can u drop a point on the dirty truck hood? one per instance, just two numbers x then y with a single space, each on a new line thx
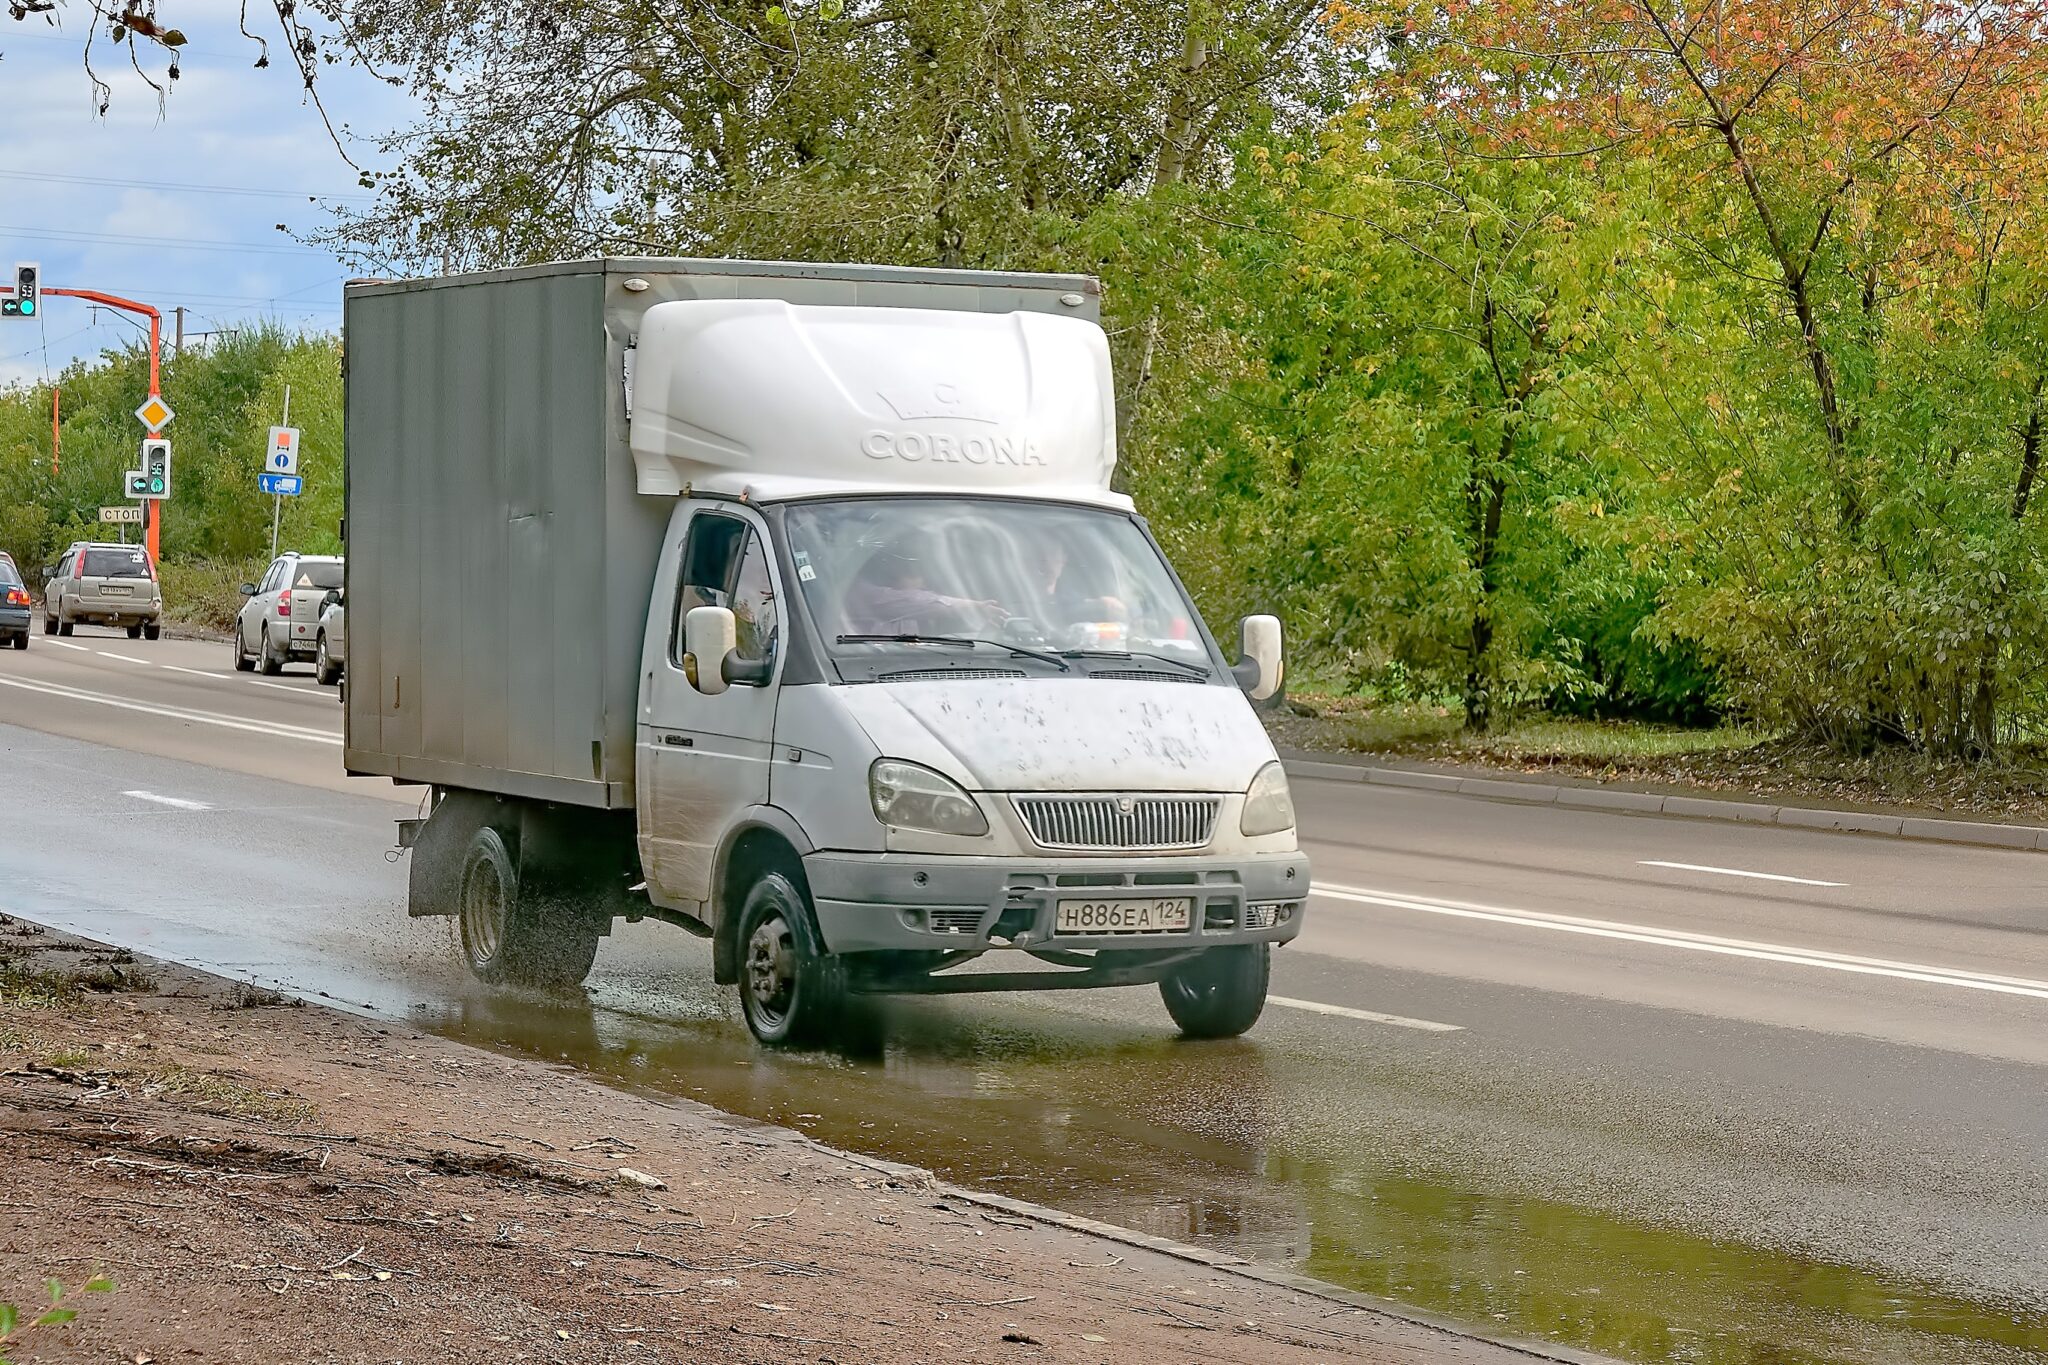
1044 734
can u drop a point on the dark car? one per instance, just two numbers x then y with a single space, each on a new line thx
14 605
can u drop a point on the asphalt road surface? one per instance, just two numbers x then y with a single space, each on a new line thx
1678 1091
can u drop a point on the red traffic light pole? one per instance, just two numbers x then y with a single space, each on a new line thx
156 321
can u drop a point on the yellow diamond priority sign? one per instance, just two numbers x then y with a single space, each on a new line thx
154 413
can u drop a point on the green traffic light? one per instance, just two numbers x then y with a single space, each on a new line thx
28 307
156 485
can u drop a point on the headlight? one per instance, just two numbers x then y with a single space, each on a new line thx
1268 806
910 797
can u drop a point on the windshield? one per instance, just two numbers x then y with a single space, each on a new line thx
1065 583
115 564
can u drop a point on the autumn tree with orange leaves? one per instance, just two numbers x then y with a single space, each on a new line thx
1847 405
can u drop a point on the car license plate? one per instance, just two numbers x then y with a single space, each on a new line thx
111 591
1152 915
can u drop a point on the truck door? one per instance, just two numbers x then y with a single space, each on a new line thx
703 760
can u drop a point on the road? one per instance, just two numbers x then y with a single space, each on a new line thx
1678 1091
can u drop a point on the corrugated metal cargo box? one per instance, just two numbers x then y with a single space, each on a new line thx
500 562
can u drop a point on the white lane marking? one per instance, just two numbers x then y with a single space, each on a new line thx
126 658
1370 1016
180 713
1699 943
177 802
1736 872
66 644
287 687
195 672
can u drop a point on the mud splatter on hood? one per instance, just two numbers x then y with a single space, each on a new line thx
1037 734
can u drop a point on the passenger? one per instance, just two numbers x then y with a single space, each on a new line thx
1065 599
890 598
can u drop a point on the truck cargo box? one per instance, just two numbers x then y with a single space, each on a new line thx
500 559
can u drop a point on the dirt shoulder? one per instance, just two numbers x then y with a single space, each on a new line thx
267 1181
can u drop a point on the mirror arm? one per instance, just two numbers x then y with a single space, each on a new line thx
748 672
1246 673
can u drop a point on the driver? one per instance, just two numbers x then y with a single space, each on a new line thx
1068 600
890 598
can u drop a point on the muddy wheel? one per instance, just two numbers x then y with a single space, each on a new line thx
789 992
1221 993
512 936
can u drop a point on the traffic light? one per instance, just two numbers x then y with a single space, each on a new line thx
28 289
154 481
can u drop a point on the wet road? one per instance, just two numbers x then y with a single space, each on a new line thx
1678 1091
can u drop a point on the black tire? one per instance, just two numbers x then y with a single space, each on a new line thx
268 662
64 626
790 993
243 663
49 624
511 934
326 672
152 632
135 631
1220 993
21 640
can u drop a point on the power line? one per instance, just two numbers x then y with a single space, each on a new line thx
180 187
166 243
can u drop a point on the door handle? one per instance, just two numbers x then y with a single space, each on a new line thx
680 741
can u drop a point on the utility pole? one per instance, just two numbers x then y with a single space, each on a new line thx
56 432
178 346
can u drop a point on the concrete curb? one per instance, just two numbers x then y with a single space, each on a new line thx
1931 830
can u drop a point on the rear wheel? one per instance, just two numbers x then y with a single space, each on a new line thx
789 992
152 631
1221 992
326 672
21 640
513 934
135 631
269 662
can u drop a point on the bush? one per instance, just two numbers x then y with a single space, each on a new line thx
204 592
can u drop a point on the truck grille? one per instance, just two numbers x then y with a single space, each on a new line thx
948 674
1132 822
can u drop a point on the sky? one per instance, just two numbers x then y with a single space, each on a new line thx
178 206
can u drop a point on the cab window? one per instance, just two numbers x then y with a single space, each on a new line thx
725 564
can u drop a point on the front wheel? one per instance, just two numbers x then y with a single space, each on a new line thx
789 992
49 624
1221 992
326 672
511 934
242 661
64 626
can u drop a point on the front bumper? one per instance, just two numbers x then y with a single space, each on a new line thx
926 902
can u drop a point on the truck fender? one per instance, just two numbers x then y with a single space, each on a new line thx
722 910
434 883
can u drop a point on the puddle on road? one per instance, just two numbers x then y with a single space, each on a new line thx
1186 1142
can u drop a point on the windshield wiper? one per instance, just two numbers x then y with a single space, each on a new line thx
1191 667
967 641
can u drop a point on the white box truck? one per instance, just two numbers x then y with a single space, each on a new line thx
793 605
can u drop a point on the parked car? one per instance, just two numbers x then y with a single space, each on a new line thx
14 605
280 622
104 584
330 649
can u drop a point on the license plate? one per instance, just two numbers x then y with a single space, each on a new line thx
115 592
1152 915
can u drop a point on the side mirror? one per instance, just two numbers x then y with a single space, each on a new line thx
709 634
333 596
1258 669
49 572
247 590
